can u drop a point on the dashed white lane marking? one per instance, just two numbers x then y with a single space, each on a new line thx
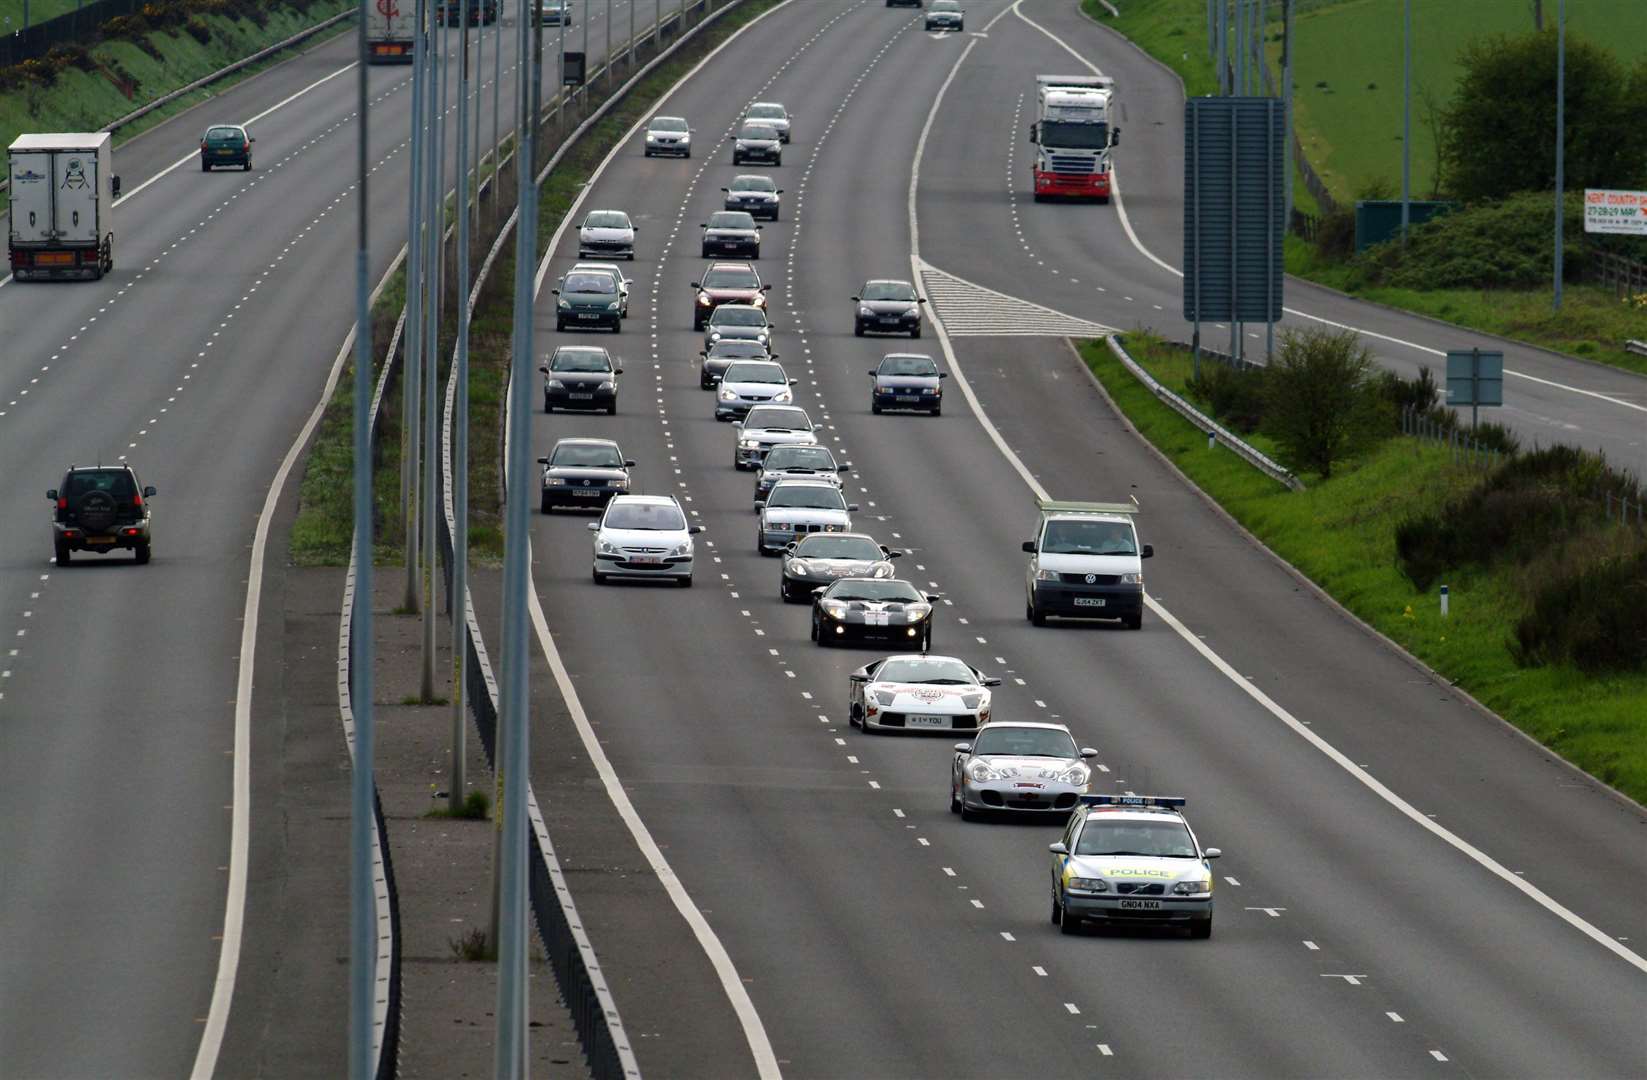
1005 936
1103 1048
1395 1017
1312 946
1071 1008
1039 970
1438 1055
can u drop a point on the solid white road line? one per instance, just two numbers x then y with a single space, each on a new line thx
1126 225
1475 854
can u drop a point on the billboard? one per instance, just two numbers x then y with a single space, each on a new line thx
1608 211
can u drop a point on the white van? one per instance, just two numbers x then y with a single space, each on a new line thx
1086 563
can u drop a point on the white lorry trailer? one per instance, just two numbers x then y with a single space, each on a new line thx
389 31
63 189
1073 135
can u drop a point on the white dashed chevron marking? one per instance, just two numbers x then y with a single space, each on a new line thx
970 310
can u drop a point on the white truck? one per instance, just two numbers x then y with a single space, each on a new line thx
1073 135
63 189
389 32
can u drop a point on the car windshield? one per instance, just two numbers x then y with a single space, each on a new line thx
647 517
754 183
581 360
825 546
738 350
801 457
1165 839
731 219
888 290
668 123
223 133
116 482
606 219
731 279
733 315
767 112
586 455
770 417
943 670
806 497
945 5
877 590
595 283
758 131
1067 135
908 365
756 372
1088 538
1024 742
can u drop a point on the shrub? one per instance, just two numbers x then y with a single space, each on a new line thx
1233 395
198 30
70 56
1593 616
1321 399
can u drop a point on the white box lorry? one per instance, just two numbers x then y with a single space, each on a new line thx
63 189
389 31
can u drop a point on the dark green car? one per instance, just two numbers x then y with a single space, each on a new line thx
226 144
589 298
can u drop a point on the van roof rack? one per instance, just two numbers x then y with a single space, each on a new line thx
1063 506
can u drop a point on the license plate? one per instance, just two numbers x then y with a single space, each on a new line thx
913 720
908 399
890 320
99 539
54 258
585 493
1089 601
648 560
581 397
226 153
586 315
877 618
1140 905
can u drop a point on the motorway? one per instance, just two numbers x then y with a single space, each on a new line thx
1408 888
198 359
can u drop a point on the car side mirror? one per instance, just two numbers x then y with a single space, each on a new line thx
765 288
544 368
794 382
727 190
778 192
695 285
1058 848
593 526
1211 853
963 748
543 461
852 508
703 353
737 423
933 595
251 138
895 554
845 466
114 186
790 547
992 680
943 374
1029 546
617 371
1087 751
1034 133
696 529
554 292
703 224
628 463
874 371
857 676
758 228
920 299
855 300
1114 136
820 590
51 493
1147 553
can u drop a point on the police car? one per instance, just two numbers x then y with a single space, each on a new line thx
1131 859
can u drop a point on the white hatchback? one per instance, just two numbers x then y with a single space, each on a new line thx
643 536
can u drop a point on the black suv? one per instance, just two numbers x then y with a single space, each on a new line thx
100 508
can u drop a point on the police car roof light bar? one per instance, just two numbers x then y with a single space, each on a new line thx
1171 802
1064 506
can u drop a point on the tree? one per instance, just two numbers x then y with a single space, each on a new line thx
1322 400
1498 132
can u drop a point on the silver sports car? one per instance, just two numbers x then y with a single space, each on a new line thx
919 693
1019 766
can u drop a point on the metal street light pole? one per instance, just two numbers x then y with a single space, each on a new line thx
456 790
609 49
1286 100
435 182
1241 48
584 86
1561 137
537 87
1223 46
411 366
480 72
497 91
1406 118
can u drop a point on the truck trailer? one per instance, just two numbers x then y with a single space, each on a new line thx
1072 135
388 32
63 189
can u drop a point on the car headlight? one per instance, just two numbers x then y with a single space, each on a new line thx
1191 888
621 482
971 701
885 698
704 300
749 444
917 612
881 570
565 305
607 384
912 310
554 481
684 139
760 300
1046 575
651 137
606 547
613 306
555 384
784 395
1088 884
729 395
684 548
799 566
929 389
1075 775
865 309
761 337
777 526
981 773
714 335
835 609
1132 579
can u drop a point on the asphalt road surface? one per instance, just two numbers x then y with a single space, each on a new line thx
198 360
1373 911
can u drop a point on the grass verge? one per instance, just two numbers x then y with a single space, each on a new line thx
1340 533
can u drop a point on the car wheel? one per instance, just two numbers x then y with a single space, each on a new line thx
1039 197
1034 614
778 160
915 333
926 639
937 410
1134 622
560 327
612 409
874 408
858 329
63 554
142 553
967 813
1057 912
1066 922
705 384
543 504
1201 930
954 798
546 406
617 325
600 578
697 324
685 582
246 167
205 166
1103 200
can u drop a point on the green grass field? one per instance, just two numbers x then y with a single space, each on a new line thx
1340 533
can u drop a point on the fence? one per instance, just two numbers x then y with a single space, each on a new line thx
1466 449
78 26
1620 509
1626 276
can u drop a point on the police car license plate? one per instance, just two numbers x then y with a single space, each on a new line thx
1140 905
877 618
920 720
1089 601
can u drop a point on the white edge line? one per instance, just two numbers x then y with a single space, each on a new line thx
760 1046
234 913
1126 224
1537 895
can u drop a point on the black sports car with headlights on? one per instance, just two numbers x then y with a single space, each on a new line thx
907 381
887 307
797 463
723 354
584 473
731 232
820 559
886 610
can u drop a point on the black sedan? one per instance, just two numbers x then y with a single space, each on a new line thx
756 194
731 232
580 377
819 559
720 356
888 307
885 610
757 142
907 381
584 473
